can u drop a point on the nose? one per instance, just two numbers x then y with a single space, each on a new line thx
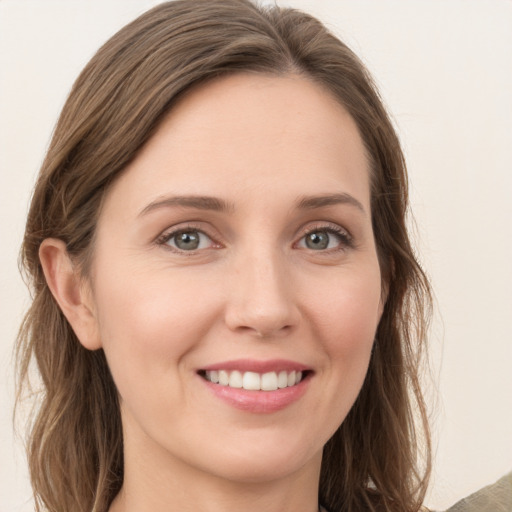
262 301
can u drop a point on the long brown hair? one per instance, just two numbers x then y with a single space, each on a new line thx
75 446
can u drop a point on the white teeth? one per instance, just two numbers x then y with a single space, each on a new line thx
235 380
253 381
269 381
282 380
223 378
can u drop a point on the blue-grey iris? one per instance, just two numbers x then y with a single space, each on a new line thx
317 240
187 241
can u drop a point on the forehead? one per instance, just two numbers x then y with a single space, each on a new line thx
284 134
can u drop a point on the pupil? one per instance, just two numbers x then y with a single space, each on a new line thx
318 240
187 241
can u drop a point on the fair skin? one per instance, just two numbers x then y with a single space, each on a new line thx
239 239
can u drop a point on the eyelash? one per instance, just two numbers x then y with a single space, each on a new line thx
169 235
345 239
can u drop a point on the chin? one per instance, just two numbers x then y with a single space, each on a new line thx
264 459
264 470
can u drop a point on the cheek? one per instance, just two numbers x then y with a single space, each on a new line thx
149 323
350 306
347 319
345 313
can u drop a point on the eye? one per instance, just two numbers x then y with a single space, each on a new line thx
325 239
186 240
318 240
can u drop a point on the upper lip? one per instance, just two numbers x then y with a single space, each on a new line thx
258 366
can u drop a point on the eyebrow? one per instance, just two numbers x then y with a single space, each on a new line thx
197 202
220 205
320 201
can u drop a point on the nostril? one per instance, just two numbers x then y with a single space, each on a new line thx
261 311
271 332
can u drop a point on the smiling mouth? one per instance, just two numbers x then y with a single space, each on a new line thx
253 381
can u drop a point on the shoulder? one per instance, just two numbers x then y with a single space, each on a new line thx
493 498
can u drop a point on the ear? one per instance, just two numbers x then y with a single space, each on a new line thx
72 293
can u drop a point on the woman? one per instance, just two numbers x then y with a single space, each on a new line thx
227 311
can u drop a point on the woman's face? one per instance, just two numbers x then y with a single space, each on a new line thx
238 247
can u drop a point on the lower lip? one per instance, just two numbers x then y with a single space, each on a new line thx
259 401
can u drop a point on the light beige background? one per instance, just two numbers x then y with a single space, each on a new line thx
444 68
